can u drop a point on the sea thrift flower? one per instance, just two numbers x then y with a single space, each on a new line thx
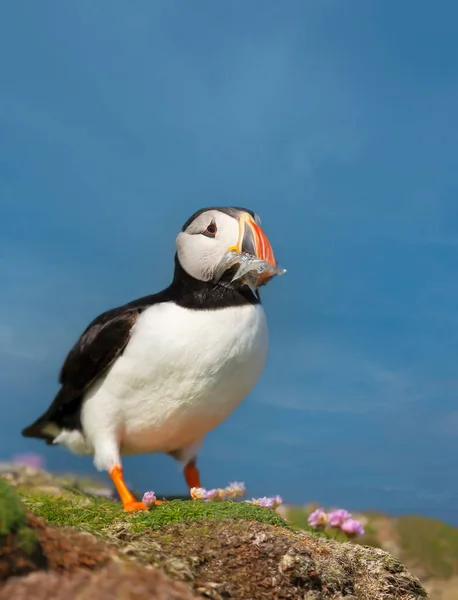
264 502
318 519
215 494
337 517
267 502
352 527
198 493
233 490
236 489
29 460
149 498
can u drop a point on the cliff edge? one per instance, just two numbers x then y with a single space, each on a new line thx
59 538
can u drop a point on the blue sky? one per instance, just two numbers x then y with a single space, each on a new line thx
337 123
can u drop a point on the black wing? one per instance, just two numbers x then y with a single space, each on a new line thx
97 348
101 343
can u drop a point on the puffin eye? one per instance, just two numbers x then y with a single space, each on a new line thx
211 230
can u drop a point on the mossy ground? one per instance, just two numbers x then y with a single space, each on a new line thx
99 515
221 549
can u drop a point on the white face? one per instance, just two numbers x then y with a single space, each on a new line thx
205 241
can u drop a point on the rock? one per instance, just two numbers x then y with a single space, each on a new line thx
67 550
115 581
249 560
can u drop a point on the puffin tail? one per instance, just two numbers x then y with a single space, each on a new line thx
42 429
50 424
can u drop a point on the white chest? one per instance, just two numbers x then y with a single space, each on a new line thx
181 374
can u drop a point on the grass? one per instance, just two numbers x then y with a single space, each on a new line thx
98 515
12 513
430 543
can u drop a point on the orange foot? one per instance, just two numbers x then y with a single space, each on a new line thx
132 506
129 502
191 474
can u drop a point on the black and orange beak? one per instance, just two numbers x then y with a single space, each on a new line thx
253 240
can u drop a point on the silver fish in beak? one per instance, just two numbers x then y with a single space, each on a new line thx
253 253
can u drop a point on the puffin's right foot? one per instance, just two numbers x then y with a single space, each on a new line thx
129 502
133 506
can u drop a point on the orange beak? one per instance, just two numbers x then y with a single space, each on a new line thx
253 240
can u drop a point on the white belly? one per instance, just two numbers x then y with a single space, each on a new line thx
182 373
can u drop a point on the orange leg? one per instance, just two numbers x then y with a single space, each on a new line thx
191 474
128 501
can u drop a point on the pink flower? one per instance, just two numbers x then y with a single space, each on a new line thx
198 493
149 498
29 459
267 502
264 502
233 490
318 519
215 494
352 527
337 517
236 489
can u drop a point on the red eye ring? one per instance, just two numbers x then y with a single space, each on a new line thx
211 230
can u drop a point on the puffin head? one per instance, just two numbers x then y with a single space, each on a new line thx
211 232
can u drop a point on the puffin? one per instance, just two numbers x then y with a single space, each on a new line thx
160 372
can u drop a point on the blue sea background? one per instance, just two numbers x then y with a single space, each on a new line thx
337 122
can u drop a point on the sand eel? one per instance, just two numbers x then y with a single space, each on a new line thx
157 374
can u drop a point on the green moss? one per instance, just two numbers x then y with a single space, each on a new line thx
97 514
92 515
179 511
12 513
